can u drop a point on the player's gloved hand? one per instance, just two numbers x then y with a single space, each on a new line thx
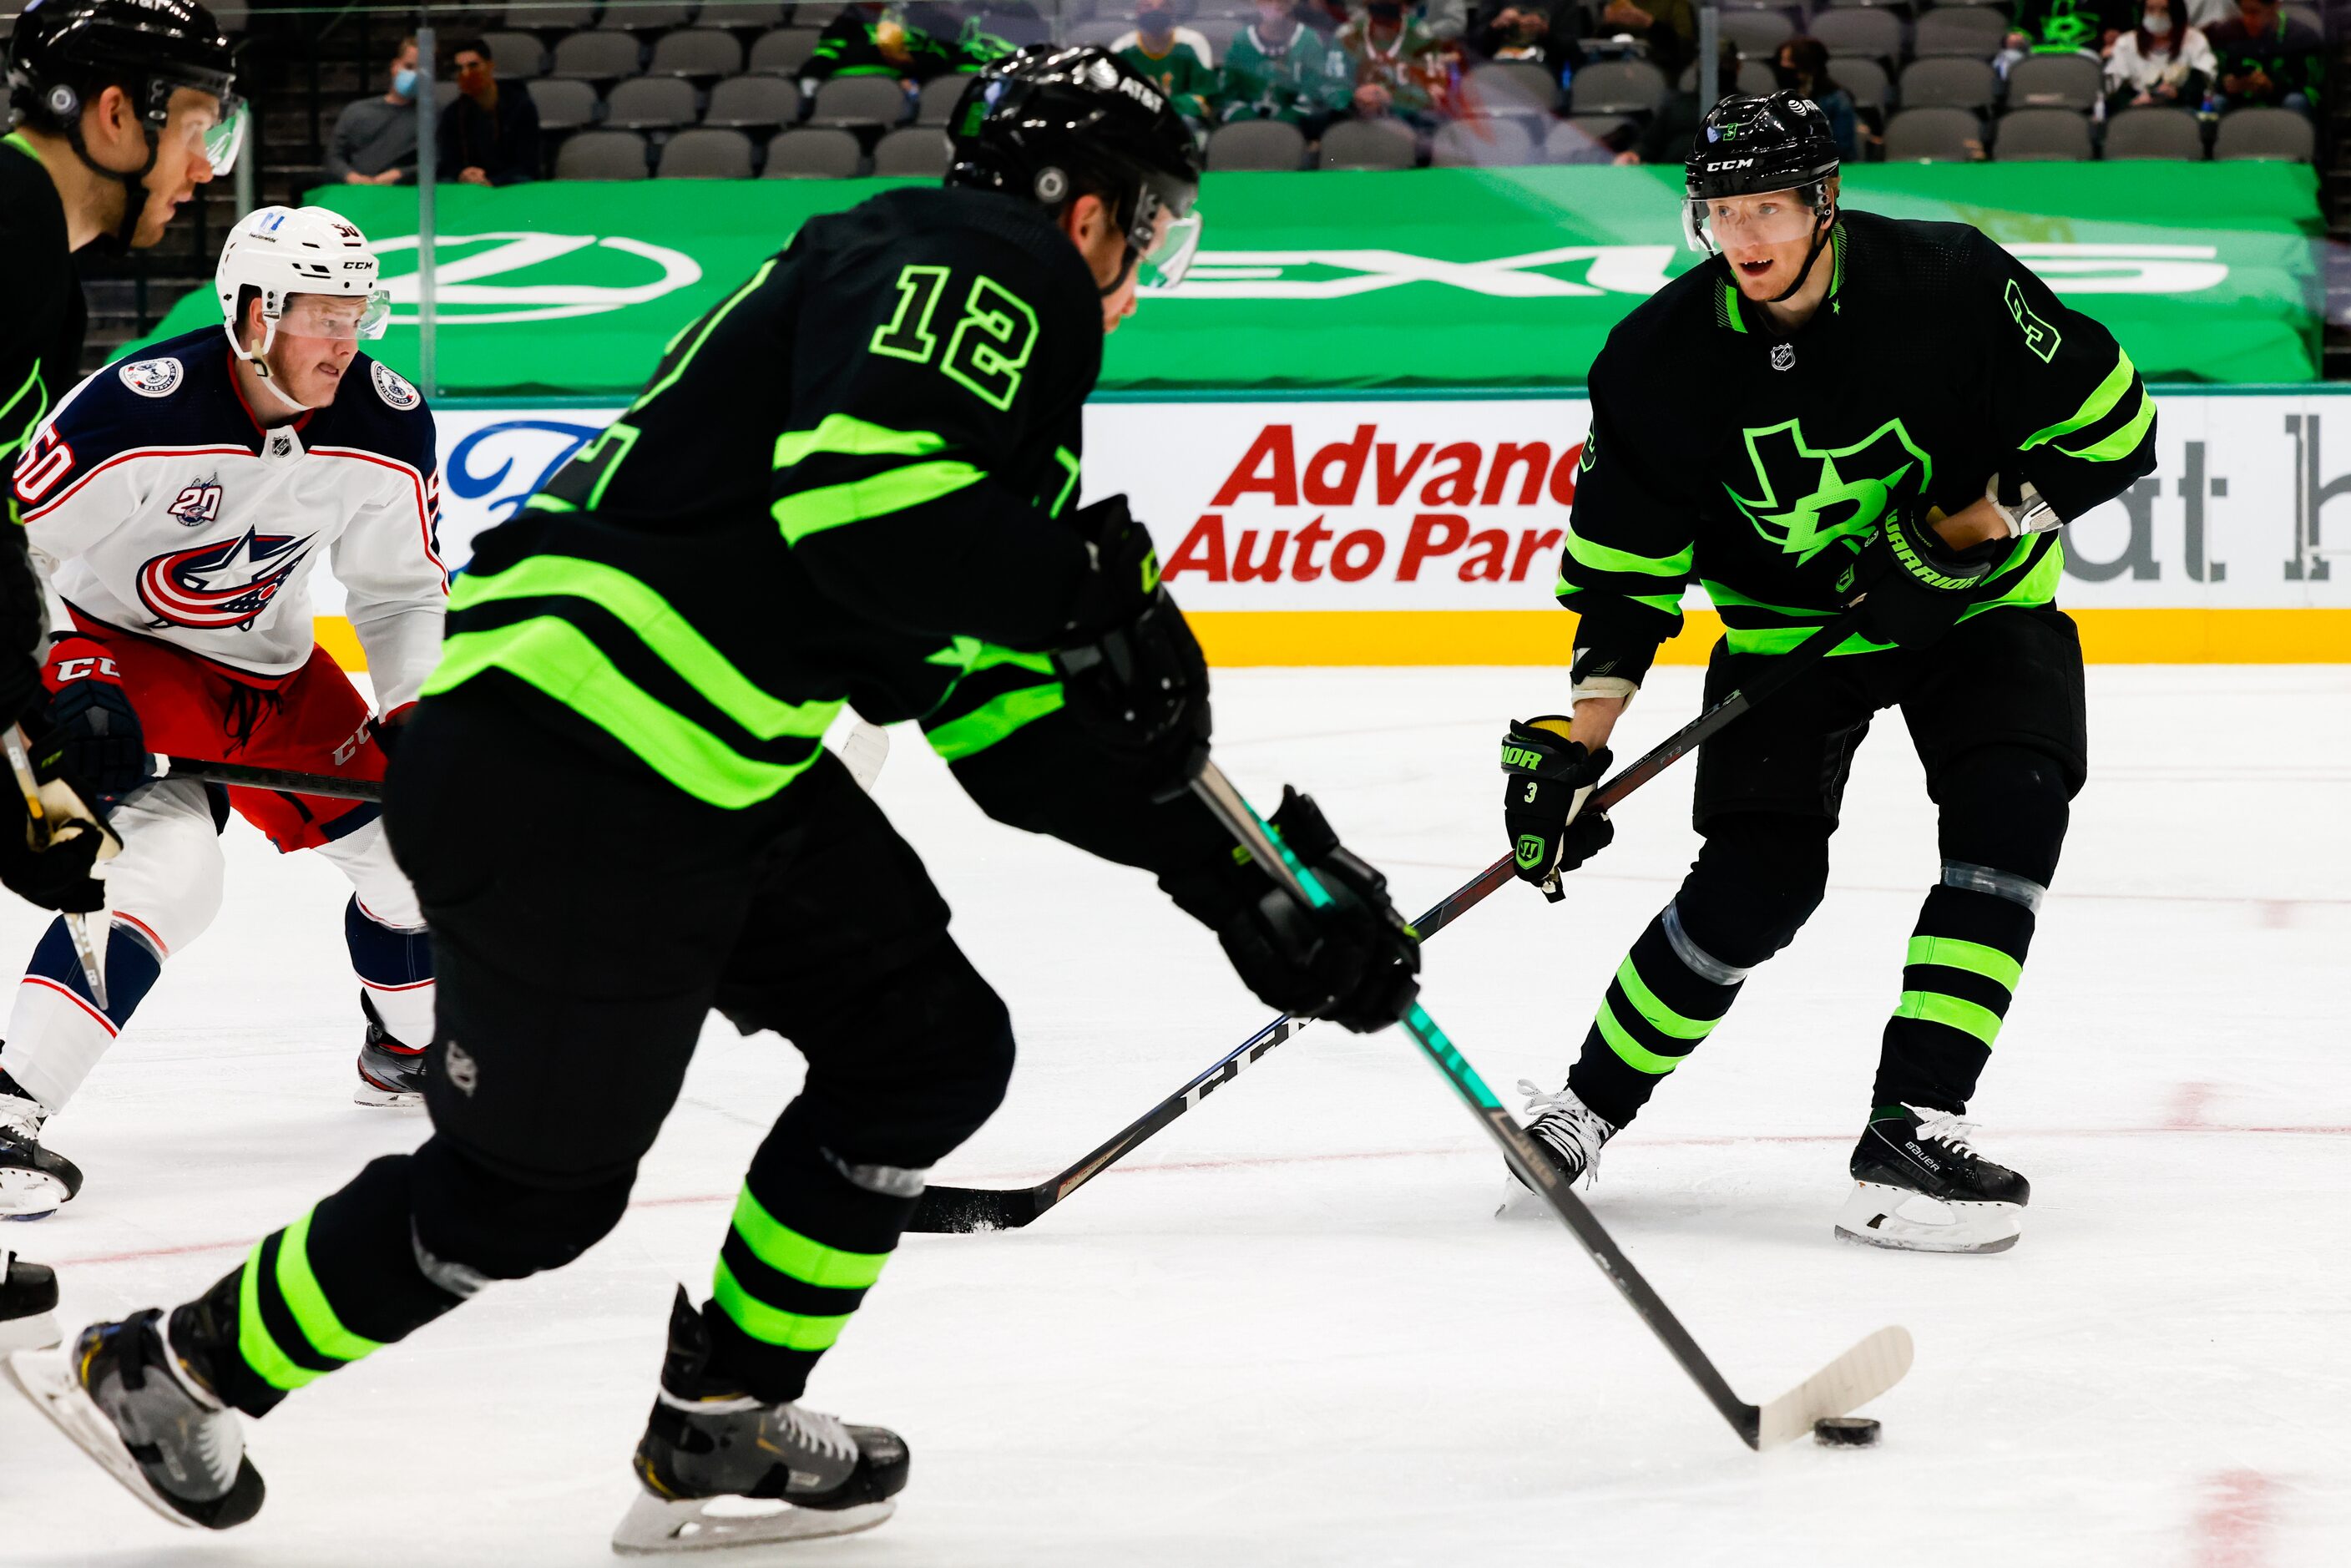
1549 779
1355 961
92 738
56 877
1132 674
1915 586
387 728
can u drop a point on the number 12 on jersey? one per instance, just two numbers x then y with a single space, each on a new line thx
990 346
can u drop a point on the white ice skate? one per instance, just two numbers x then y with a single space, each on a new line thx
33 1181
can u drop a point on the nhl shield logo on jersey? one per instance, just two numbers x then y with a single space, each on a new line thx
227 583
198 503
389 385
151 378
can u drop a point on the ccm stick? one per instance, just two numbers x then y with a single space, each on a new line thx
964 1208
1852 1380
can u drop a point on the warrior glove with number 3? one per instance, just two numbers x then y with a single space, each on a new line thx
1550 778
1132 674
1354 962
1916 586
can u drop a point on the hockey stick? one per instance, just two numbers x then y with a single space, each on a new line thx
964 1208
862 753
1852 1379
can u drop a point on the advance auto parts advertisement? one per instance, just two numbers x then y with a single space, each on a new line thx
1429 531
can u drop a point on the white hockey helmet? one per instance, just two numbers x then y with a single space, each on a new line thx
285 251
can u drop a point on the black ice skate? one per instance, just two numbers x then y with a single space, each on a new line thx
707 1441
29 1302
145 1414
391 1073
1566 1132
33 1180
1921 1186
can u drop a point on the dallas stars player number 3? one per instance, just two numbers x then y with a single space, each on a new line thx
1836 408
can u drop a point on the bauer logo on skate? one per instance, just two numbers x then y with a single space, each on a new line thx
228 583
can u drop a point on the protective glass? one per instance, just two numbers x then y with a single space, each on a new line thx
332 315
1164 266
1774 217
225 140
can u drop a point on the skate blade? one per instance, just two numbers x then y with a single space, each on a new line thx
653 1526
39 1332
29 1193
380 1099
1906 1221
46 1378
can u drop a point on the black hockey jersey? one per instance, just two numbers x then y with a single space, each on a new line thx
1758 463
41 330
843 483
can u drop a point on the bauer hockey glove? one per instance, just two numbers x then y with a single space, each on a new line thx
1549 779
1355 961
1916 587
1132 675
93 740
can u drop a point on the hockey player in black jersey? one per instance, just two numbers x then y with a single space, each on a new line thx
122 109
1837 406
854 478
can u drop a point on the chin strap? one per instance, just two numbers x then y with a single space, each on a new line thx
134 184
1125 271
1820 243
261 366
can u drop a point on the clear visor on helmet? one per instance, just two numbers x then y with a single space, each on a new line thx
225 140
1170 256
338 316
1770 217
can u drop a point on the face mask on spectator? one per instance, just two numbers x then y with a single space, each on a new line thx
1153 22
403 81
2157 23
1384 11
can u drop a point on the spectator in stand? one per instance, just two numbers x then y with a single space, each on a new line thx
2158 63
2264 57
874 39
1277 69
1541 34
1668 26
1397 66
1671 130
1178 58
488 137
1802 68
375 139
2061 27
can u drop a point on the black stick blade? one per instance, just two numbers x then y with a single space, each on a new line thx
959 1210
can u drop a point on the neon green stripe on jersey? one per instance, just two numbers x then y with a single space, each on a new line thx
894 490
2122 443
1607 558
994 720
2102 400
1975 957
1952 1012
853 437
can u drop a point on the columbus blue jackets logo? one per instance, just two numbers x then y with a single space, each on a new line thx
198 503
227 583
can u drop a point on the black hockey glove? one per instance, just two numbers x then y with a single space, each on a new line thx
1915 586
1354 962
1132 675
1549 779
93 740
55 878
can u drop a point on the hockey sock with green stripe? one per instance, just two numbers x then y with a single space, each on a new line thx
1667 996
1959 976
809 1236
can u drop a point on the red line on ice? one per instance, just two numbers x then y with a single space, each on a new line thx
2232 1527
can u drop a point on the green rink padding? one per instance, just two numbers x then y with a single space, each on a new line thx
1434 279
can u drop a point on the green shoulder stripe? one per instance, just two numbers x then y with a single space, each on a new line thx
2103 401
1607 558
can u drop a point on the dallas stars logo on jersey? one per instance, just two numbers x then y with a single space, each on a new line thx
1810 496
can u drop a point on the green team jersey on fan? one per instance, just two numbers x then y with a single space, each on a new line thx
1183 73
1304 79
844 483
1726 452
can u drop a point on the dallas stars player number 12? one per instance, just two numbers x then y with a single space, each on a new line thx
1837 406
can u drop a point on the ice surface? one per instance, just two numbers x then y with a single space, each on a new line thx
1292 1331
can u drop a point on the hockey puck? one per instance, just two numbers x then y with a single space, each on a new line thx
1845 1432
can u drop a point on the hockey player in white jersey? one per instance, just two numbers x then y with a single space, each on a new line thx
182 502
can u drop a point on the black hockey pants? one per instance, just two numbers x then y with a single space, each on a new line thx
586 917
1996 712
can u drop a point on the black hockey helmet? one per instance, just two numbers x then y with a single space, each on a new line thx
63 53
1055 121
1747 146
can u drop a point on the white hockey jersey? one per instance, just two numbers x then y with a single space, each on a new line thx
163 509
